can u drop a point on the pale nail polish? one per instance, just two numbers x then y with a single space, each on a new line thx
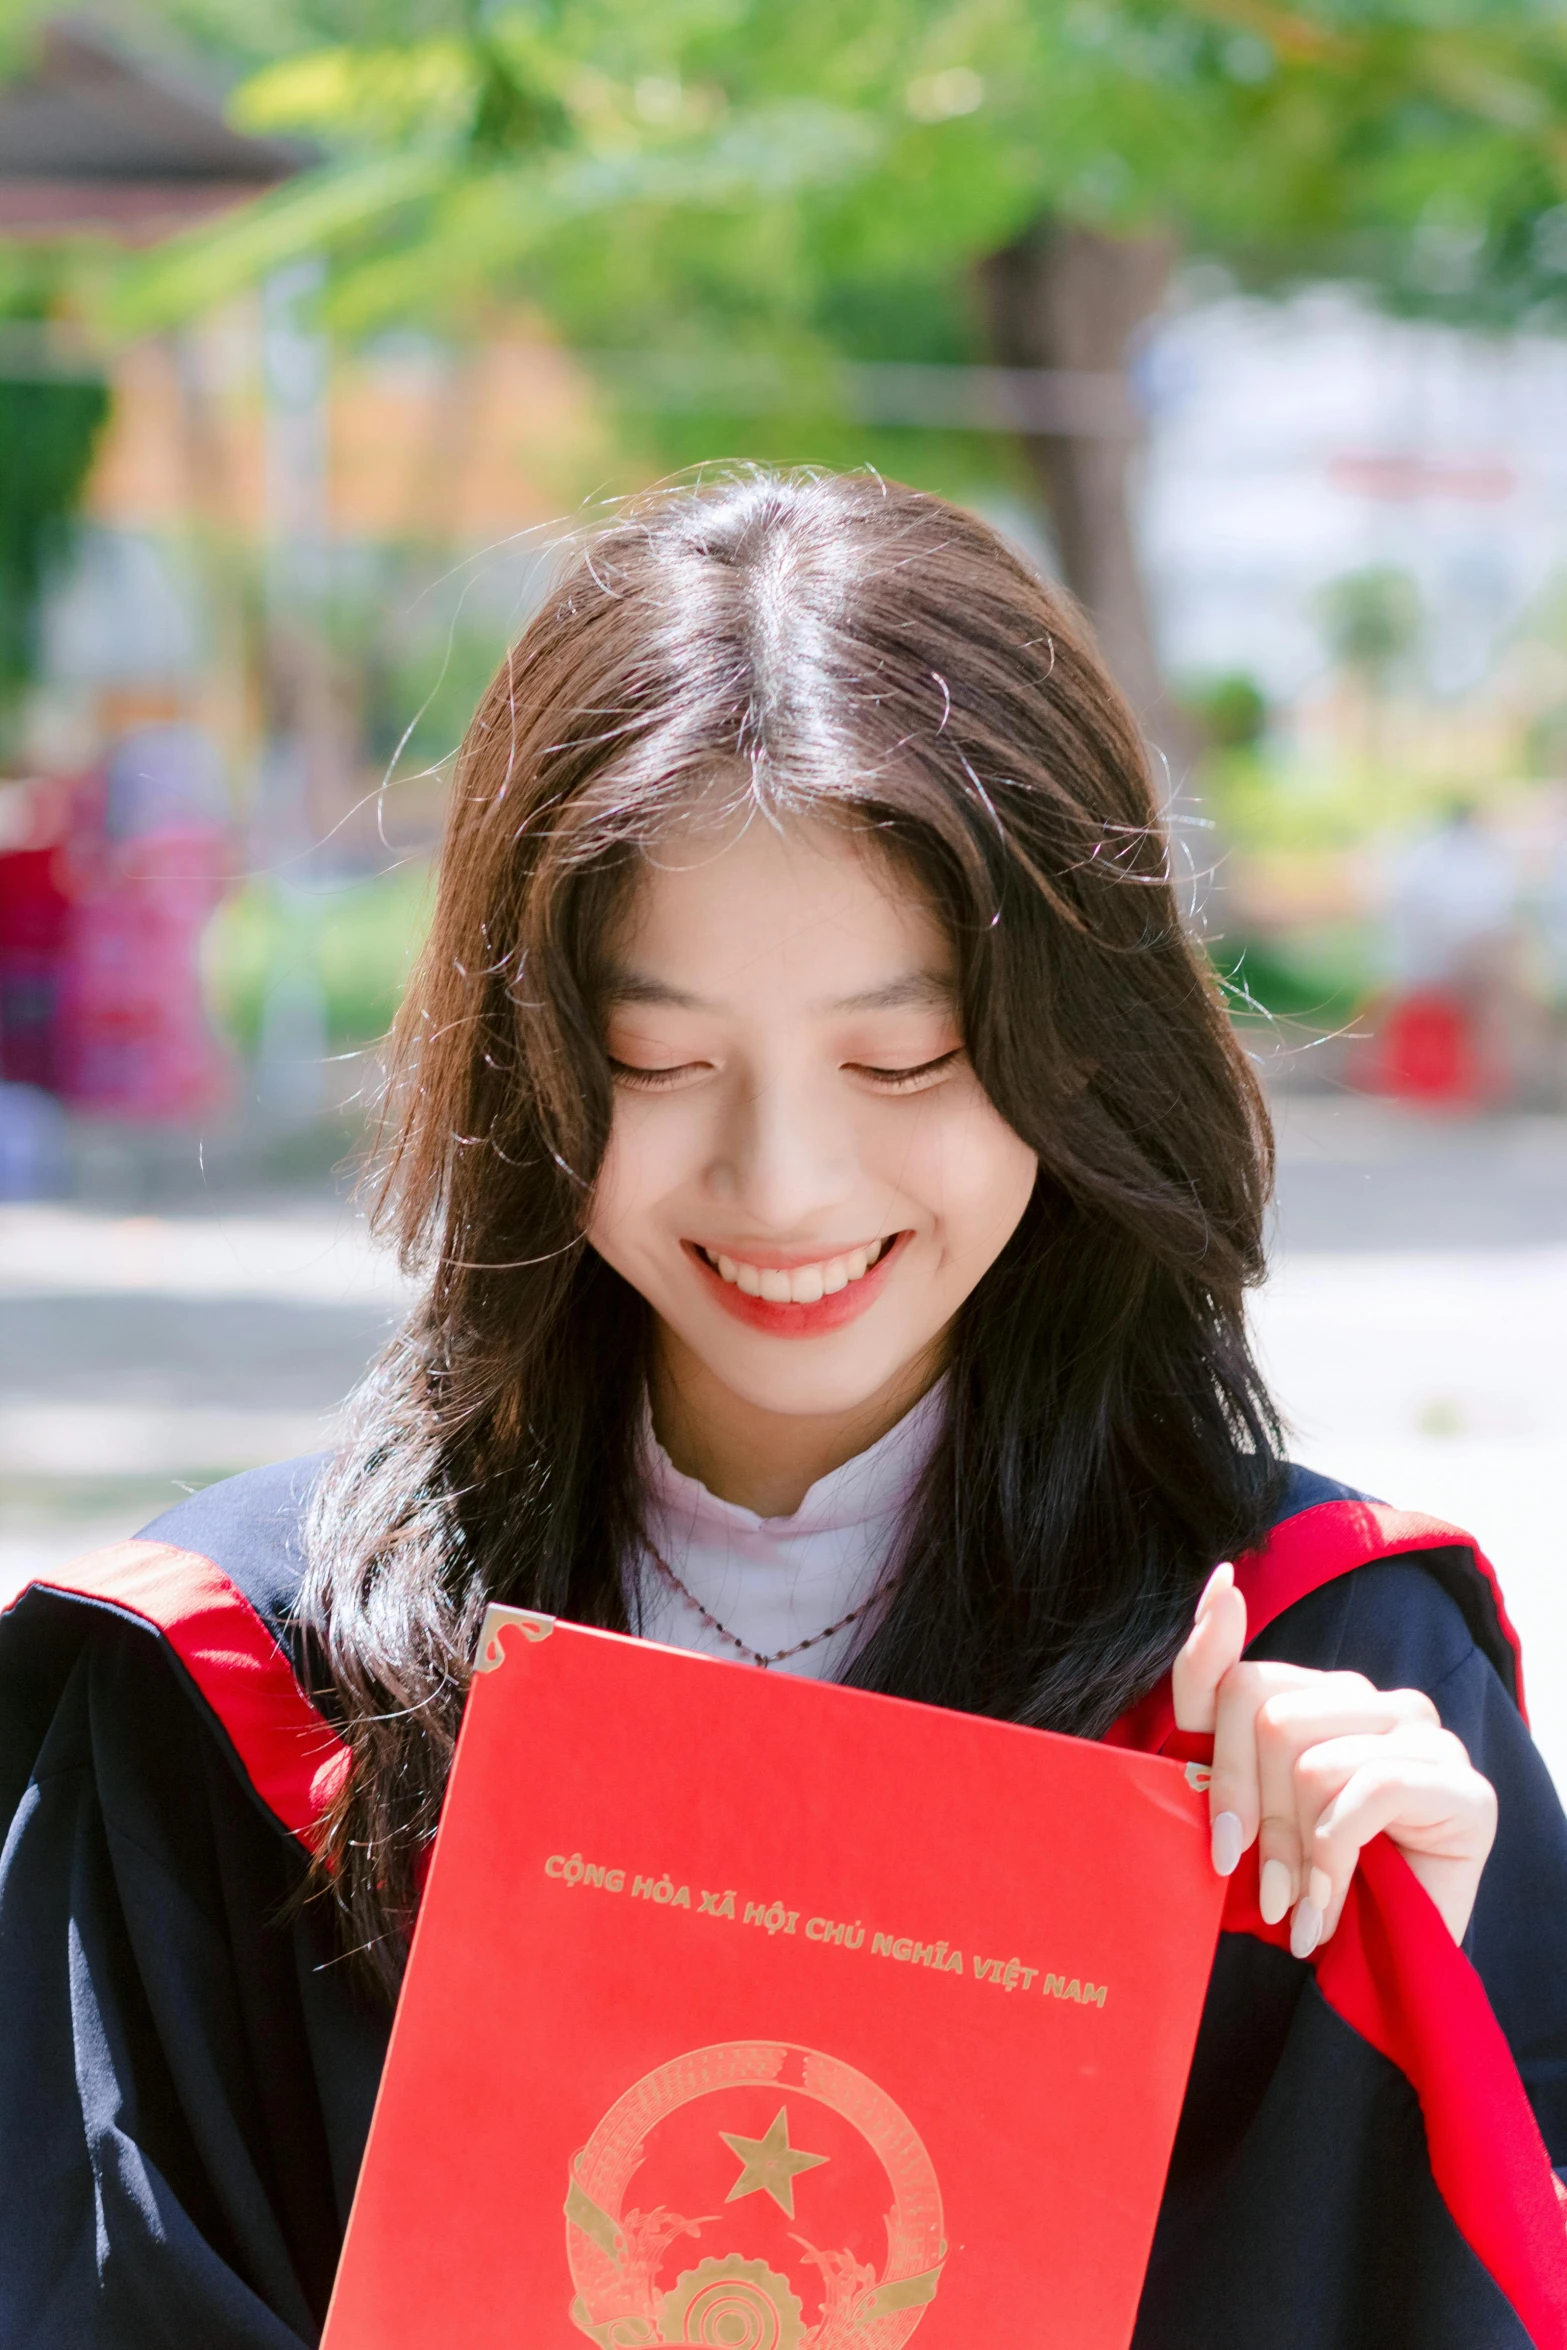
1275 1891
1305 1929
1319 1890
1220 1580
1227 1842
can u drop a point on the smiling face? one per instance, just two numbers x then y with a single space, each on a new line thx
804 1178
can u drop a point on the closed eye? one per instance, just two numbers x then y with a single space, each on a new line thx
908 1080
654 1080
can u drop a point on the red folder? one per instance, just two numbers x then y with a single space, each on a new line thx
753 2012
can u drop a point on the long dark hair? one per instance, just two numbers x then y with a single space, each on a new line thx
846 649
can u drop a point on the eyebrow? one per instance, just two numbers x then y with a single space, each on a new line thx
634 987
914 990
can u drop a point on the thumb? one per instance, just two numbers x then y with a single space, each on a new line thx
1214 1644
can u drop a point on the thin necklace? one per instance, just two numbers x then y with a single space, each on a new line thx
779 1655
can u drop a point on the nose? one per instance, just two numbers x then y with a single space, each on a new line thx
784 1155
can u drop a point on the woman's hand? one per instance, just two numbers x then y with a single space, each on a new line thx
1313 1765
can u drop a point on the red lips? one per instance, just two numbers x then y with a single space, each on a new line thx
800 1321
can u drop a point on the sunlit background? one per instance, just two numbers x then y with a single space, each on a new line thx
323 324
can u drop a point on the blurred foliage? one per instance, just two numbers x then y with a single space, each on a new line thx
358 941
1232 711
1545 742
51 412
1372 620
409 651
1258 805
419 697
48 429
716 176
1318 977
718 202
1277 804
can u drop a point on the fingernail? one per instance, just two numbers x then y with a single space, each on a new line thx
1228 1837
1319 1890
1305 1929
1275 1891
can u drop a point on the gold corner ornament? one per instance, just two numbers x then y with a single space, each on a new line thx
620 2257
491 1652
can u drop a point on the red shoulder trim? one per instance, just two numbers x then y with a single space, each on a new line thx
1313 1548
1395 1975
1392 1971
292 1757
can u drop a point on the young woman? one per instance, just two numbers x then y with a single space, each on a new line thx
836 1186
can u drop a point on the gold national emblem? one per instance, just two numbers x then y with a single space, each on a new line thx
633 2289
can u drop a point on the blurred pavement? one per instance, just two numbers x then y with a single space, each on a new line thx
1416 1329
143 1355
1416 1332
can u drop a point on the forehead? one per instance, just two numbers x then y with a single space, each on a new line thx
806 913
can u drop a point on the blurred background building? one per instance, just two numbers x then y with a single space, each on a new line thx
320 330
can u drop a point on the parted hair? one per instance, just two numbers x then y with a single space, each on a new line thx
840 649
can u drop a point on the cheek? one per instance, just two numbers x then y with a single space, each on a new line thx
621 1194
975 1174
648 1157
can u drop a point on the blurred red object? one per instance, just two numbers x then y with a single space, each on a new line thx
39 818
106 885
34 913
134 1037
1426 1048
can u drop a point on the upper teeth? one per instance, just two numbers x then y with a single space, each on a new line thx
797 1285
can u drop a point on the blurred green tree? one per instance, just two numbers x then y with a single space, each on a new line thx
767 193
1232 711
53 404
1372 620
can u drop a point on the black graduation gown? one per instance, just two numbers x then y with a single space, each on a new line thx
187 2072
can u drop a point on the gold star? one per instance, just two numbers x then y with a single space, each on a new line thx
770 2164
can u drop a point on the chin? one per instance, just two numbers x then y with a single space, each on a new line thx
807 1390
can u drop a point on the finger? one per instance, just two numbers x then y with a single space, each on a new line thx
1314 1718
1281 1711
1232 1794
1321 1773
1286 1724
1212 1651
1323 1769
1369 1801
1291 1722
1434 1806
1442 1814
1310 1707
1214 1644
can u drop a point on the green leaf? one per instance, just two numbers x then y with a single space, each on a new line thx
359 98
308 215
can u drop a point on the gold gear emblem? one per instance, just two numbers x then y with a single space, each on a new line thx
733 2304
737 2303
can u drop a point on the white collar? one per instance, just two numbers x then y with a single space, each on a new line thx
778 1583
874 1485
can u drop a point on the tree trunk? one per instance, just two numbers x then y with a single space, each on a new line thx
1065 298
